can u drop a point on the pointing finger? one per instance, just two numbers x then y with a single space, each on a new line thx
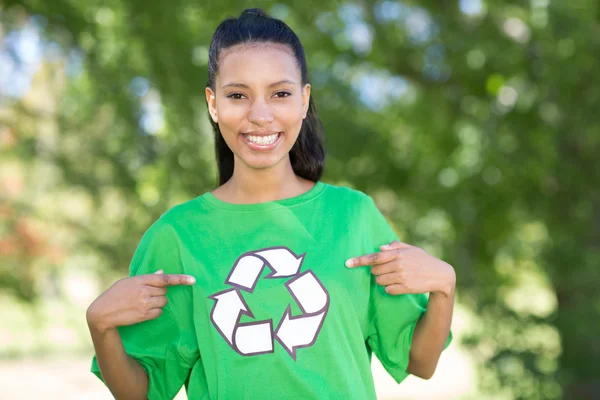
371 259
162 280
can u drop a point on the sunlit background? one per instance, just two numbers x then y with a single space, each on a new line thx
474 125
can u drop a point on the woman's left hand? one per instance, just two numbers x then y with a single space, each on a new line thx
403 269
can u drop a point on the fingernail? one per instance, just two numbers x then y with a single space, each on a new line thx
191 280
385 246
349 263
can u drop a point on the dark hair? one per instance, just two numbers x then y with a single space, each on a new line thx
255 26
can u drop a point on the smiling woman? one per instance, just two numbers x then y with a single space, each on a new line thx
259 289
258 88
258 109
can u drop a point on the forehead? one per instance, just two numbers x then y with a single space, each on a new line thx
257 62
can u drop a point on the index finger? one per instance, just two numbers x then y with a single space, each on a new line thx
381 257
161 280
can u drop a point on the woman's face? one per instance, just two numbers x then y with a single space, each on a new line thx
259 103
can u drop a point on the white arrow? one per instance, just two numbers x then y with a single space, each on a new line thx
254 338
226 312
245 272
282 261
308 291
294 332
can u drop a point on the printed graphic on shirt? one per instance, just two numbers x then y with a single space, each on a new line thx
293 332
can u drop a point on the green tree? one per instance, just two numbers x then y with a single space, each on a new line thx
474 127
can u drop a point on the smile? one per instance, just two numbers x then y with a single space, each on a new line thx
262 142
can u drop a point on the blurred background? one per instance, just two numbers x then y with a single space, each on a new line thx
474 124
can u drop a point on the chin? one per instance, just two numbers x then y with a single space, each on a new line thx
263 161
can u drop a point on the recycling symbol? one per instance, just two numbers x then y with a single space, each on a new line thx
292 332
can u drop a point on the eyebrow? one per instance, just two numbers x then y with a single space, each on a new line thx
241 85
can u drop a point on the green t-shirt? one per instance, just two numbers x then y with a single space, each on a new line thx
274 312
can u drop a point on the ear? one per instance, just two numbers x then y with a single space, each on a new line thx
211 100
305 99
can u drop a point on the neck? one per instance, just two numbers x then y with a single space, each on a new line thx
248 185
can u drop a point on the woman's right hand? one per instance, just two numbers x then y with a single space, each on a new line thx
132 300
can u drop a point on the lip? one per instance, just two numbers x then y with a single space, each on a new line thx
260 147
264 133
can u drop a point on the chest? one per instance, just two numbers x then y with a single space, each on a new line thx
278 269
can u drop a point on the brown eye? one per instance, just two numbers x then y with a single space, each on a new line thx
282 95
235 96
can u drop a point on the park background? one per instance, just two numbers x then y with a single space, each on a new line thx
474 124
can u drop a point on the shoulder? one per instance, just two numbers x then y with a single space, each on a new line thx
182 214
351 197
175 221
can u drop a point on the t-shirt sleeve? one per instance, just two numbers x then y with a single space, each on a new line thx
392 317
165 347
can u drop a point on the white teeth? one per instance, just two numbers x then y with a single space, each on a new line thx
263 140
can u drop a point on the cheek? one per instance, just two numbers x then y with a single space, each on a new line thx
232 113
291 116
231 118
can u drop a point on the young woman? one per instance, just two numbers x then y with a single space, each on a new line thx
275 284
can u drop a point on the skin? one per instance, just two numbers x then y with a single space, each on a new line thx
405 269
266 95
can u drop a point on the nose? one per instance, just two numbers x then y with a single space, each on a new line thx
260 113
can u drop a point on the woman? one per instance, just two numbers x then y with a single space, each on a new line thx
270 294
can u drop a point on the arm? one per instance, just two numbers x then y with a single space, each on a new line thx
124 377
404 269
127 302
430 334
410 342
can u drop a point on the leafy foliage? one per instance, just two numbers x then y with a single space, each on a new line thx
474 127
